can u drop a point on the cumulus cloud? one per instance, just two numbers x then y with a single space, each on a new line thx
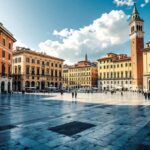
105 32
124 2
20 44
145 2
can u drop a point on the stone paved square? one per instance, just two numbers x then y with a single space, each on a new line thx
121 122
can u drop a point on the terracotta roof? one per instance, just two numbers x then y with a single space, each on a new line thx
7 32
20 50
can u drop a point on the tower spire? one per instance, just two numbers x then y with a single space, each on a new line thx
135 13
86 58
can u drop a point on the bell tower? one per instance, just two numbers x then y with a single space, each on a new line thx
137 45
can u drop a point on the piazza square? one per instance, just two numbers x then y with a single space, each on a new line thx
118 122
74 75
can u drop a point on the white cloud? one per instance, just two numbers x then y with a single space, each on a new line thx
145 2
109 30
124 2
20 44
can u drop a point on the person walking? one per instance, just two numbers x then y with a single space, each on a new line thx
121 93
72 94
75 96
148 95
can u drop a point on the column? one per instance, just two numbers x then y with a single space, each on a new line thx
6 86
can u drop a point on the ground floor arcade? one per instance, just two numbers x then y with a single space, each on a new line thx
5 85
38 85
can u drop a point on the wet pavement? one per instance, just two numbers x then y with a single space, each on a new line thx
31 122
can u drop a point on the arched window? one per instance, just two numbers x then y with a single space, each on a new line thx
3 69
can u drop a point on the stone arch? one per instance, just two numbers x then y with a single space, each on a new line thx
27 84
9 87
19 85
38 85
32 84
2 87
52 84
56 84
48 84
42 85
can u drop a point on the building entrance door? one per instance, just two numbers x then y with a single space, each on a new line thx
9 90
2 87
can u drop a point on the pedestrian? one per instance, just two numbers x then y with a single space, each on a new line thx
75 94
72 94
148 95
61 92
121 93
145 95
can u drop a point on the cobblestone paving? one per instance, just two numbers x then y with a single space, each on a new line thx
25 121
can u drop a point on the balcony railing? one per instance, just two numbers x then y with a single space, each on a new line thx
5 75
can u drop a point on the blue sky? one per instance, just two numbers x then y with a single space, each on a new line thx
33 23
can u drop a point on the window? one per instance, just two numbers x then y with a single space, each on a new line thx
33 71
27 70
19 59
47 63
3 42
55 73
121 74
43 72
3 69
28 60
9 56
15 60
19 69
52 64
3 54
55 65
9 45
38 71
59 65
15 70
9 70
33 61
47 71
38 61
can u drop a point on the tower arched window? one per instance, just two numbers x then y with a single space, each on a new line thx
137 28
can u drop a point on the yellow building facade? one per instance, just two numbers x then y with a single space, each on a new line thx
114 72
146 68
35 70
81 75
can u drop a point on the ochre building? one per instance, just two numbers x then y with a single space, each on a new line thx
37 70
6 45
146 68
114 72
81 75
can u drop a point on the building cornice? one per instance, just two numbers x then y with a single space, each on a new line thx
28 51
7 32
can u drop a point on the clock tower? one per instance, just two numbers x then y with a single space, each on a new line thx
137 45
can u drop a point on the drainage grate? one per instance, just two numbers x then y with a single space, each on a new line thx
7 127
71 128
143 147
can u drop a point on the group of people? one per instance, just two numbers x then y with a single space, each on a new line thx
74 94
147 95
